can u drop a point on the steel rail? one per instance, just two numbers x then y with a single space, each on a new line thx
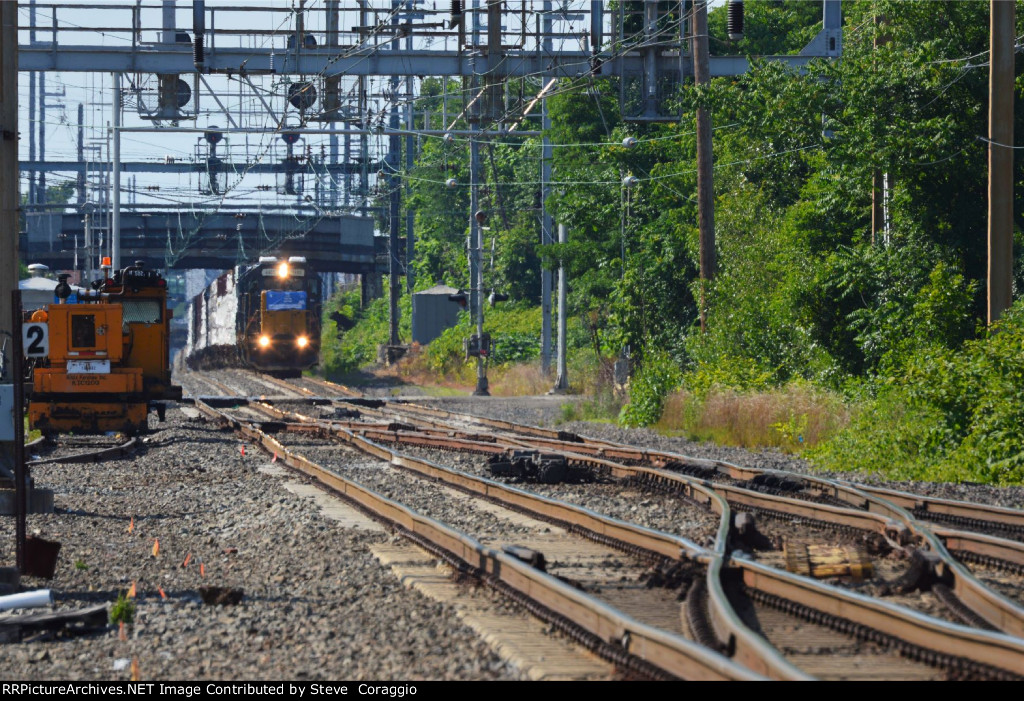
855 493
872 513
879 514
667 651
980 649
341 389
1005 652
990 548
924 506
754 652
108 453
993 607
841 516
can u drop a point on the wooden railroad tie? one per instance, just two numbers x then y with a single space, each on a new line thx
820 561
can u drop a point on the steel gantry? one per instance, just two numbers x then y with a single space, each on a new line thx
320 62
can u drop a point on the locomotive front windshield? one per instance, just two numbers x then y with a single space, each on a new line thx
291 283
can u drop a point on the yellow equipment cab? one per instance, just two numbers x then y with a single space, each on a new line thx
109 359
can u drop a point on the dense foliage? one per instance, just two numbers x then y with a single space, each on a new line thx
805 292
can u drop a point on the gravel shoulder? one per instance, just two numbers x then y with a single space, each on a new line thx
316 604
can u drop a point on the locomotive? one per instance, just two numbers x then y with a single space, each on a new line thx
264 316
107 364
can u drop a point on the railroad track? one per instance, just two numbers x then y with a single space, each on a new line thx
740 603
633 645
997 561
68 451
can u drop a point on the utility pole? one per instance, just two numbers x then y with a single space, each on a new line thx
8 165
476 216
32 105
562 381
1000 157
546 222
705 175
115 216
9 195
394 156
410 213
41 187
80 178
476 276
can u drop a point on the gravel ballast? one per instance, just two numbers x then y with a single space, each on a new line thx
316 604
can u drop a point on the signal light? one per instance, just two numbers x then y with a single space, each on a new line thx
497 297
106 262
461 297
476 346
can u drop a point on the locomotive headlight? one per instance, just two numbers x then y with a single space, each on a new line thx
282 270
264 341
302 341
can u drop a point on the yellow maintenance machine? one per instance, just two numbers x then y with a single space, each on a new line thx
108 360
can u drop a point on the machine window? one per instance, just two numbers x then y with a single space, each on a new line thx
140 311
83 331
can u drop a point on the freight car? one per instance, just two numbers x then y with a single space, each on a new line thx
264 316
108 359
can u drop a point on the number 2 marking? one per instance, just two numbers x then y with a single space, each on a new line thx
35 337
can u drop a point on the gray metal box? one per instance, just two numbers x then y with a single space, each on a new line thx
7 417
432 313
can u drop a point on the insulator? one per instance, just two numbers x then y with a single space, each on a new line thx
735 22
452 183
630 181
629 142
198 29
456 9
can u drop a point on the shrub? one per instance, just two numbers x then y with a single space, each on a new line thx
949 415
658 376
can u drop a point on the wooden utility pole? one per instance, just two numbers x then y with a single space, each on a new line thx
705 175
11 466
8 165
1000 157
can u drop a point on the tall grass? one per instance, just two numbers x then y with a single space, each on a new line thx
592 378
790 418
519 380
